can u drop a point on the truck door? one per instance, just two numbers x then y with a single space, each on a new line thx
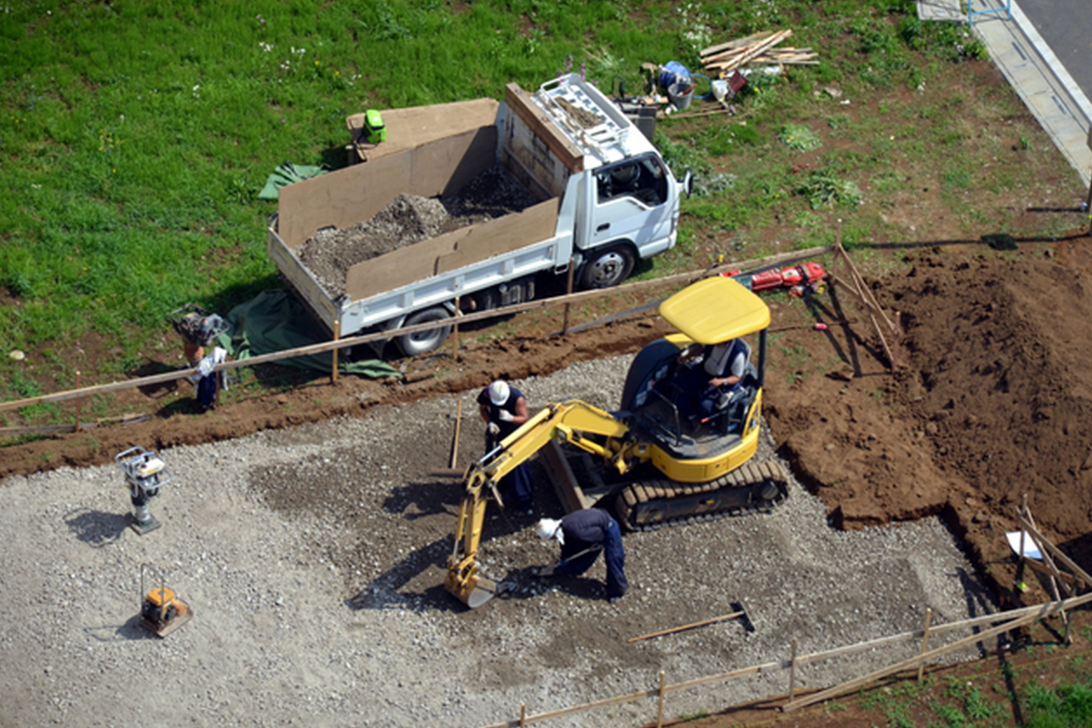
632 202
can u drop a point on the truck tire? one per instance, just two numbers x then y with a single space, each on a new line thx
423 342
607 267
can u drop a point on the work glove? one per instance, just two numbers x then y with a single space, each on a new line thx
493 429
504 416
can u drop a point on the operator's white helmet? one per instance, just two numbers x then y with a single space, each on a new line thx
548 528
498 392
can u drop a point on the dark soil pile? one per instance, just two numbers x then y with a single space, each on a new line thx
992 401
407 220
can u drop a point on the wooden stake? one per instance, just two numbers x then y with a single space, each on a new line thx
455 442
337 335
568 291
792 673
925 640
455 335
522 715
660 708
733 615
898 334
79 400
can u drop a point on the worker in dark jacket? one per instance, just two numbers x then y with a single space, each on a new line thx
504 409
582 535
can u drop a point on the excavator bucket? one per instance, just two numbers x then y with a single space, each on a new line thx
474 592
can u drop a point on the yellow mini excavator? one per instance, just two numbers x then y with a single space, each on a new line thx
655 467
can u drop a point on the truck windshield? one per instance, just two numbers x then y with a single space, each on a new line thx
642 178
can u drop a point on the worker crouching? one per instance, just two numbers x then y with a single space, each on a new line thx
582 535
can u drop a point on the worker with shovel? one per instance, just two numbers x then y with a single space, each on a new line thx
582 535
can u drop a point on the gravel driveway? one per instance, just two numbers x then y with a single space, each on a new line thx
313 559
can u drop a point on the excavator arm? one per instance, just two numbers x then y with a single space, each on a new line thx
573 421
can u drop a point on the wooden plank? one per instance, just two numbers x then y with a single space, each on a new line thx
737 43
519 102
35 430
562 478
746 57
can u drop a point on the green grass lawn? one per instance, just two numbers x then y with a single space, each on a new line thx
137 134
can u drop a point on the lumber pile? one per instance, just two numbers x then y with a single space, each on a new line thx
721 60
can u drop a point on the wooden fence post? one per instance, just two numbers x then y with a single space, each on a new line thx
660 709
792 673
925 640
79 401
337 335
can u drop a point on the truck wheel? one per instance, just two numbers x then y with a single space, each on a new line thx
424 341
607 267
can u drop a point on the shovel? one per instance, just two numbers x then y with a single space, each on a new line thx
739 611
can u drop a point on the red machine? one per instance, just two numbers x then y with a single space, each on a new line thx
798 278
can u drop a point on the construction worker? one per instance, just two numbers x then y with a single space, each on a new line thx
582 535
708 384
207 382
504 409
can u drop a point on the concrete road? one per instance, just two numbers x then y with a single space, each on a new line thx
1066 28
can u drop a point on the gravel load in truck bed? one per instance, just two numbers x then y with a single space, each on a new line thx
407 220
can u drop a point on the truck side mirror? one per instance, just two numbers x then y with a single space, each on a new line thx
688 183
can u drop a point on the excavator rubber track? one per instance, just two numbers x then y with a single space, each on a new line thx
751 488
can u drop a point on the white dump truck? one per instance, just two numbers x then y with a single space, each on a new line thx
605 196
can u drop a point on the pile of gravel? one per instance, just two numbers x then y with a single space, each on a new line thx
408 220
313 558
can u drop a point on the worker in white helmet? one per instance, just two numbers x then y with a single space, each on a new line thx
582 535
504 409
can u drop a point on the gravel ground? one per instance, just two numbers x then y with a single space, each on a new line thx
313 559
407 220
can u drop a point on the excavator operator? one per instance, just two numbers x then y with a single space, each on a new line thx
708 384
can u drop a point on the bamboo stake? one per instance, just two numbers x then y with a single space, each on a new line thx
792 673
925 640
1055 575
1046 611
660 707
733 615
455 442
1082 575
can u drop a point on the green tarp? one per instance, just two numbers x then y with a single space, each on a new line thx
274 321
286 174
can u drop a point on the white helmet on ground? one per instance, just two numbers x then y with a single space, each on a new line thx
549 528
498 392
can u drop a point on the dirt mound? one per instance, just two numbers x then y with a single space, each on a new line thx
992 401
409 219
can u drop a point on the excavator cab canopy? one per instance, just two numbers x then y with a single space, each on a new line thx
716 310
